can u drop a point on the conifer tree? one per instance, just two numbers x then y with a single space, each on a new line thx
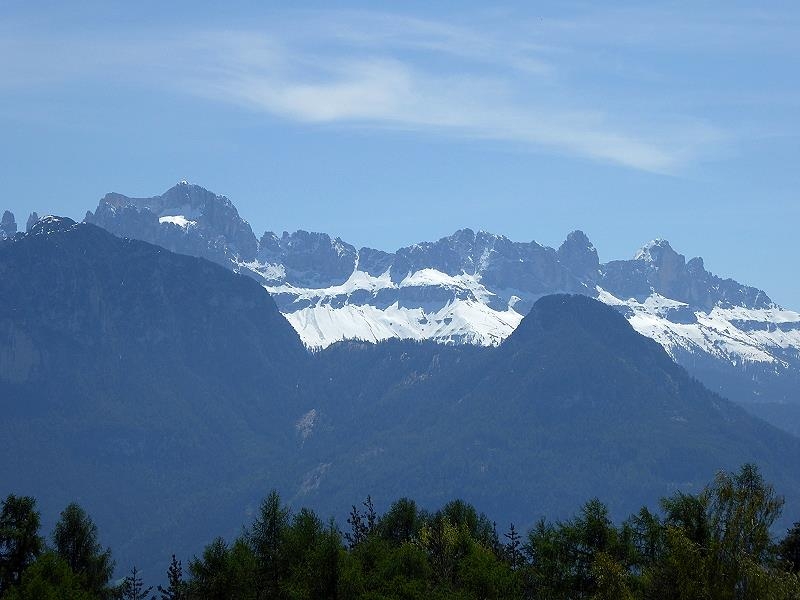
513 547
742 509
358 528
20 542
133 587
401 523
49 578
175 586
211 577
496 546
370 515
266 539
789 548
75 540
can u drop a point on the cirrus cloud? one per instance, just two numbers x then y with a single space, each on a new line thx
382 72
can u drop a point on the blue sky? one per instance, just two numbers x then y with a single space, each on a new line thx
392 124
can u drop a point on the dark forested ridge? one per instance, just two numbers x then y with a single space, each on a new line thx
714 545
166 395
156 386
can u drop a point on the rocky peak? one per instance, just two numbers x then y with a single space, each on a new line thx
186 218
696 265
374 262
309 258
51 224
454 254
669 267
192 220
657 267
8 225
579 255
657 253
33 218
194 197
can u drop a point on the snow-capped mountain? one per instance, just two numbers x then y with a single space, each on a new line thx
475 287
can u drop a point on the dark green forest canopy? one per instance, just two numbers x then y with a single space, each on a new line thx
714 545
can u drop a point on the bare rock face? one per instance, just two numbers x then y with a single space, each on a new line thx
33 218
8 226
51 224
579 255
187 219
308 259
658 268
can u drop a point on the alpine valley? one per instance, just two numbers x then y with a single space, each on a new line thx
475 288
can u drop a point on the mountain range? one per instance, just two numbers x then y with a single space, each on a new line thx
168 395
475 288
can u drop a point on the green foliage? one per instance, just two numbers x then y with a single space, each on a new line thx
580 558
281 556
311 553
481 575
742 508
513 548
75 540
20 542
50 578
225 573
646 536
401 523
789 548
267 540
361 524
132 587
176 587
611 579
712 546
551 562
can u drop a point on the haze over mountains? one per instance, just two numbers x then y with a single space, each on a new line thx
476 287
176 392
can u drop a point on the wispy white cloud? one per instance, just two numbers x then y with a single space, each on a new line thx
390 94
384 71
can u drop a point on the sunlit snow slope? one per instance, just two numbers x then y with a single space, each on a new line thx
427 304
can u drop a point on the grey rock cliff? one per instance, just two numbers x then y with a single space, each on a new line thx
8 225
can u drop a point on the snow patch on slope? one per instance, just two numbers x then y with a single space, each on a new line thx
327 315
459 321
737 334
358 280
267 271
179 220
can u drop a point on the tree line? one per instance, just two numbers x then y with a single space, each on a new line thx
715 545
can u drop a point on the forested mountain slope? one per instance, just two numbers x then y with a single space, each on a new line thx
574 403
169 395
156 388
